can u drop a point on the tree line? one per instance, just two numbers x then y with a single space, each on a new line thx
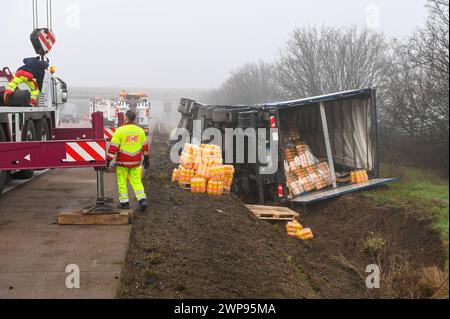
411 77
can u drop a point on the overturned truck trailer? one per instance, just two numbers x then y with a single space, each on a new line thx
329 137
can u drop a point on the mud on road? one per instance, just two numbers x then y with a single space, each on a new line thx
198 246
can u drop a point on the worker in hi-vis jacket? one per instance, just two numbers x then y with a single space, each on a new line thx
31 73
128 145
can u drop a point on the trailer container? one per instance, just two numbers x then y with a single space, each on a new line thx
339 128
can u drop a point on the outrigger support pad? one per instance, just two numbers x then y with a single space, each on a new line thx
100 206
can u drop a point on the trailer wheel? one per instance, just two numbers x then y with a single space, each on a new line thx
247 119
220 115
28 134
3 174
209 113
42 130
29 131
185 106
201 112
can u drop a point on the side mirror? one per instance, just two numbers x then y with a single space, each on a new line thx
64 96
63 87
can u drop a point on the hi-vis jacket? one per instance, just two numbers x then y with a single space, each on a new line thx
128 143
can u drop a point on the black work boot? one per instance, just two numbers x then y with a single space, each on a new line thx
124 205
143 204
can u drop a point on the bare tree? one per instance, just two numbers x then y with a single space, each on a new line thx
318 61
250 84
408 106
428 51
418 87
416 108
429 47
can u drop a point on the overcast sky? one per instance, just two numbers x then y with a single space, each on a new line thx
183 43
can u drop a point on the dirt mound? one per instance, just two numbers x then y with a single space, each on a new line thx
351 234
198 246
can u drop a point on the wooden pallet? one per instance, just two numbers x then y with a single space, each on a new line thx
185 185
272 212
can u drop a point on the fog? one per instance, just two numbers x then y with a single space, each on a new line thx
179 43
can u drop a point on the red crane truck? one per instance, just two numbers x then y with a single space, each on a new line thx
23 123
29 138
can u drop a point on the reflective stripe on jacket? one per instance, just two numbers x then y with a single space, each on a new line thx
127 145
36 67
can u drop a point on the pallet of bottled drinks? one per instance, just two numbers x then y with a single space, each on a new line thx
201 170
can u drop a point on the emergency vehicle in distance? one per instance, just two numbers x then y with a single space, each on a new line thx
139 103
107 106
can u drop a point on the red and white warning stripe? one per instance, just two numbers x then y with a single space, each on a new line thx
47 39
85 151
108 132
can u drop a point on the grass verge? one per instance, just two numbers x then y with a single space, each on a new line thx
419 190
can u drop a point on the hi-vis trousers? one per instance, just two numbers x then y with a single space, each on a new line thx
132 174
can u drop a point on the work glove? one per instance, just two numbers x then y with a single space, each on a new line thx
146 163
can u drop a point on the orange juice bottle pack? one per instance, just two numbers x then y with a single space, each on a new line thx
211 154
305 234
202 171
198 185
201 166
227 183
359 176
175 175
295 229
292 227
186 159
185 174
215 188
228 172
216 172
196 154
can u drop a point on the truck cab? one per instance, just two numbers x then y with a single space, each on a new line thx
143 113
107 107
139 103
